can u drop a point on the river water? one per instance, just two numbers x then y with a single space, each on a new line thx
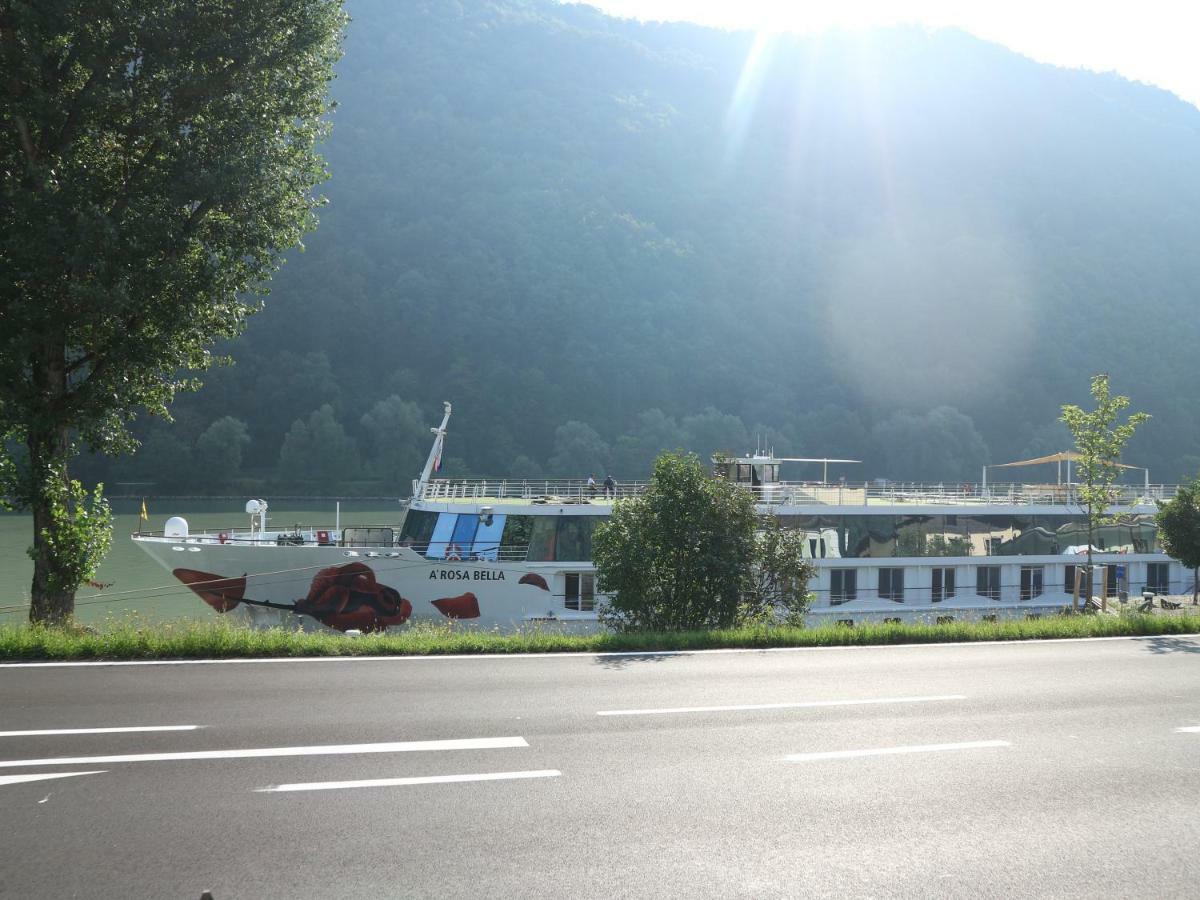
137 584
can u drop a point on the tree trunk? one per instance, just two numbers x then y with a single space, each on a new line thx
1195 585
1091 572
52 593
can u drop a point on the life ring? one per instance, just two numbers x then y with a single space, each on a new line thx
222 537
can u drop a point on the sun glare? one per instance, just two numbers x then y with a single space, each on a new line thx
1152 42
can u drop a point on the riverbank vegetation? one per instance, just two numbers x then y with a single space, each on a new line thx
129 639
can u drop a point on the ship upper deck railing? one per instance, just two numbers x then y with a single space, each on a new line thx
793 493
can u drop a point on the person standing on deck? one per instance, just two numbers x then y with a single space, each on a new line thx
610 487
591 485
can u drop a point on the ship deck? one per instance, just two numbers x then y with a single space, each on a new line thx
536 492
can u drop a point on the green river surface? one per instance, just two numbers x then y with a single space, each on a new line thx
139 586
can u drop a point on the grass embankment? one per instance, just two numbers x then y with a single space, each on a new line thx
205 640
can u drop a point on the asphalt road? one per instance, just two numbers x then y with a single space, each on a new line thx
1048 769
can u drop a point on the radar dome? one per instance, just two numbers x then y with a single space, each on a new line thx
176 526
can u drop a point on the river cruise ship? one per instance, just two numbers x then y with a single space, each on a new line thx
511 552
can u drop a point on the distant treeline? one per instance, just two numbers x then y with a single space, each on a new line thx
601 238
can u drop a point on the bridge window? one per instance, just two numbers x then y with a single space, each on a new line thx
418 527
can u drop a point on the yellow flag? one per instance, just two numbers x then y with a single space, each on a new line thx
144 516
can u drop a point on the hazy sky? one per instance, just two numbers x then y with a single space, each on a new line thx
1155 41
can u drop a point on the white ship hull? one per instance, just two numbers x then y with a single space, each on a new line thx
275 584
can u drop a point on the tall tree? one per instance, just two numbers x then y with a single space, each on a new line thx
217 456
317 452
1179 530
1099 440
158 156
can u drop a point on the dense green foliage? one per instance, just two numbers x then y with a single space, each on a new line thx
157 158
207 640
1179 530
685 555
1100 437
777 583
601 239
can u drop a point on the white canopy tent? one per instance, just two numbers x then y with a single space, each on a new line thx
1067 456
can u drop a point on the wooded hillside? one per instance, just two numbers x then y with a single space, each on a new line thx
600 238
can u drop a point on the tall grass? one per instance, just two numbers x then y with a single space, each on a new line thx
132 640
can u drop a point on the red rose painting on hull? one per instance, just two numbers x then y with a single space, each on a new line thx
348 596
464 606
222 594
342 597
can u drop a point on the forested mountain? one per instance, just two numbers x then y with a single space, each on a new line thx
599 238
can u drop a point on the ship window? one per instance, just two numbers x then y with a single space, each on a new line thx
1158 578
1032 578
442 532
418 528
580 591
843 585
987 582
542 538
574 542
943 584
462 540
891 585
516 539
487 538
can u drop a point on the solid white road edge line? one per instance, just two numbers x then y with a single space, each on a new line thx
615 654
324 750
122 730
43 776
397 782
888 751
808 704
1188 729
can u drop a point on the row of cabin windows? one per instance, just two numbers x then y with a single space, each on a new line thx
843 583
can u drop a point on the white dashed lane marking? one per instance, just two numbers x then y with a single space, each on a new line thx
807 704
125 729
888 751
399 782
258 752
42 776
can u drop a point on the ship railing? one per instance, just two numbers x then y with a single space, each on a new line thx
915 493
532 490
289 535
798 493
479 551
